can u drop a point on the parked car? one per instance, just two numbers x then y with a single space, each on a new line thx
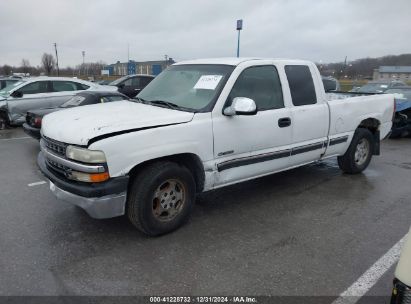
40 92
6 81
202 125
32 125
131 85
401 292
331 84
402 120
380 86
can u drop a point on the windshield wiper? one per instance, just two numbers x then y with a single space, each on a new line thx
139 99
168 104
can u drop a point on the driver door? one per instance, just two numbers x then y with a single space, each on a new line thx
246 146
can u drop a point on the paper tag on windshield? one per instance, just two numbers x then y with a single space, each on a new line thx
208 82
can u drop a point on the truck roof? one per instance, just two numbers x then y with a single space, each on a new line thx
236 61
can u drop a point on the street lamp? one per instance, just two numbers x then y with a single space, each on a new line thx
239 28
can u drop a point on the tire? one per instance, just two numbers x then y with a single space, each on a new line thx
161 198
354 161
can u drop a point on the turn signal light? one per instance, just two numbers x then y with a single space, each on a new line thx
99 177
89 177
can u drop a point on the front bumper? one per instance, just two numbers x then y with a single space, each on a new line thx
99 200
401 293
33 132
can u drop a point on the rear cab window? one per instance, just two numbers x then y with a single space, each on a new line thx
301 85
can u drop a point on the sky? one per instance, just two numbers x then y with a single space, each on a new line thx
317 30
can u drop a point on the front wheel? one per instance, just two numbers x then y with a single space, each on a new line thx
359 153
161 198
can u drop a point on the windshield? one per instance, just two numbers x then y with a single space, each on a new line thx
73 102
5 92
188 87
117 81
400 93
374 88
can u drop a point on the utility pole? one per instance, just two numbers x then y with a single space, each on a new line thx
57 59
166 58
84 55
239 28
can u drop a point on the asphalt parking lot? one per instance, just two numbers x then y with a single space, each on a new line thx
311 231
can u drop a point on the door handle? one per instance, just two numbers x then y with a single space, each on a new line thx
284 122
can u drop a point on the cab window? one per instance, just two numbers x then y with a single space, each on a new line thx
262 84
301 85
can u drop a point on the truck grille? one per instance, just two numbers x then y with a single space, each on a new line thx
55 146
57 167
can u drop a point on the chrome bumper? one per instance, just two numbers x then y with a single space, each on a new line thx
97 207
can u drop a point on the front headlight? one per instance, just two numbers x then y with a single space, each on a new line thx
85 155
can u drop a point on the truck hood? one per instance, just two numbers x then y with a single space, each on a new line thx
81 124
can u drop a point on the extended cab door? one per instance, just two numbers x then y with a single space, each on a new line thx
309 114
246 146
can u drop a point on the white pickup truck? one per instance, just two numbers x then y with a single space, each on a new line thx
202 125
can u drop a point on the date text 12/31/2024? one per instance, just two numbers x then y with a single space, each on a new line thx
203 299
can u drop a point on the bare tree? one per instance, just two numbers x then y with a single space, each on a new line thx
25 66
6 70
48 62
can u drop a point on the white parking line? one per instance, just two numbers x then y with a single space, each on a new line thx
36 184
15 138
369 278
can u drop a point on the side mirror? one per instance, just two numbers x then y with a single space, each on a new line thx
241 106
120 86
16 94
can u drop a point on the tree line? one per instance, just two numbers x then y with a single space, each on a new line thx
49 67
362 68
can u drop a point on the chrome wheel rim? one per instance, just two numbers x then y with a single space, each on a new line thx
169 199
362 151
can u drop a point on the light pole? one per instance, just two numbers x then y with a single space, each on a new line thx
84 55
57 59
239 28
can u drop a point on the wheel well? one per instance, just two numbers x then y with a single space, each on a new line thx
371 124
191 161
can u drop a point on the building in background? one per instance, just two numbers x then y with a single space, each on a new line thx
393 72
137 67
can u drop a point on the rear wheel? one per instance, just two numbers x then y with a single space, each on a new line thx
161 198
359 153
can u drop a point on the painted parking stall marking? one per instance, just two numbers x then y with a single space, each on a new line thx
36 184
369 278
15 138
